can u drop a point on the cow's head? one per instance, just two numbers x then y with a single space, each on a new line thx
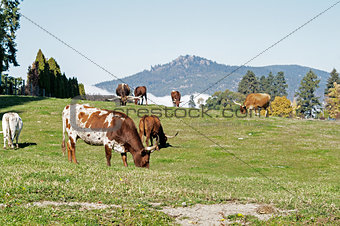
142 158
124 100
176 102
243 108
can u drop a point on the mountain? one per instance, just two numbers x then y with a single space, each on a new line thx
189 74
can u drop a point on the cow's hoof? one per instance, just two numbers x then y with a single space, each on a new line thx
5 147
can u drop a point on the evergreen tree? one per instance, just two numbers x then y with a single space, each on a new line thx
264 86
271 85
280 85
32 87
248 84
306 95
9 24
334 77
44 77
55 77
192 102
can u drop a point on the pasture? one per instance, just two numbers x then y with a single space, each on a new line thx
288 163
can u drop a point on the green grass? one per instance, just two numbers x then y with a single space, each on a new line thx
292 164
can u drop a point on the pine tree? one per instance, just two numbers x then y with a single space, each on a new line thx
271 85
43 70
263 84
9 24
280 85
248 84
55 75
306 95
192 102
334 77
32 87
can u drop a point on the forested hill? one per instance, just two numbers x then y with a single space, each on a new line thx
190 74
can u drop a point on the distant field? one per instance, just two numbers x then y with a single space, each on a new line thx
291 164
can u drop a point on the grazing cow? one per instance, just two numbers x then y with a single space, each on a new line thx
140 92
176 98
112 129
11 128
255 101
123 92
150 127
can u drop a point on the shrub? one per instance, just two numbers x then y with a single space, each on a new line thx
282 107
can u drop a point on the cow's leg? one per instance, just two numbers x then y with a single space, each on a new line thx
146 100
5 139
108 153
17 139
73 149
124 158
69 152
157 142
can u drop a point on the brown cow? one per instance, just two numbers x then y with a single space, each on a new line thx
176 98
255 101
112 129
123 92
140 92
151 127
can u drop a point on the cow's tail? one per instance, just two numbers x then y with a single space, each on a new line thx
63 145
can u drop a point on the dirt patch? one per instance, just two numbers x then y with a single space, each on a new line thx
218 213
83 205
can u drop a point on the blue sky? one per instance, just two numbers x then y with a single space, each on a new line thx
127 37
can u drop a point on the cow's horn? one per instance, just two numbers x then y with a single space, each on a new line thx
237 103
171 136
151 149
132 97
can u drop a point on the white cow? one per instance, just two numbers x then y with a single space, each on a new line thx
11 128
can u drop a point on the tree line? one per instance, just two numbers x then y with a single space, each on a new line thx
306 104
44 78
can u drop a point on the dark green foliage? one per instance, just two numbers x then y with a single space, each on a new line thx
334 77
9 23
264 85
44 76
51 81
10 85
274 85
306 98
248 84
280 85
223 99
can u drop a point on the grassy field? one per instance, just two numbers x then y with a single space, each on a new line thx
291 164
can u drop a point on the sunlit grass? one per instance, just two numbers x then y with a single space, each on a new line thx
292 164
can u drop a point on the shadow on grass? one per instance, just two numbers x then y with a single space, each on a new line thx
26 144
9 101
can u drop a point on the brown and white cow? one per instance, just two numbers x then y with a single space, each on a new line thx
123 92
255 101
140 92
176 98
150 126
112 129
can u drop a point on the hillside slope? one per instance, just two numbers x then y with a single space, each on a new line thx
190 74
